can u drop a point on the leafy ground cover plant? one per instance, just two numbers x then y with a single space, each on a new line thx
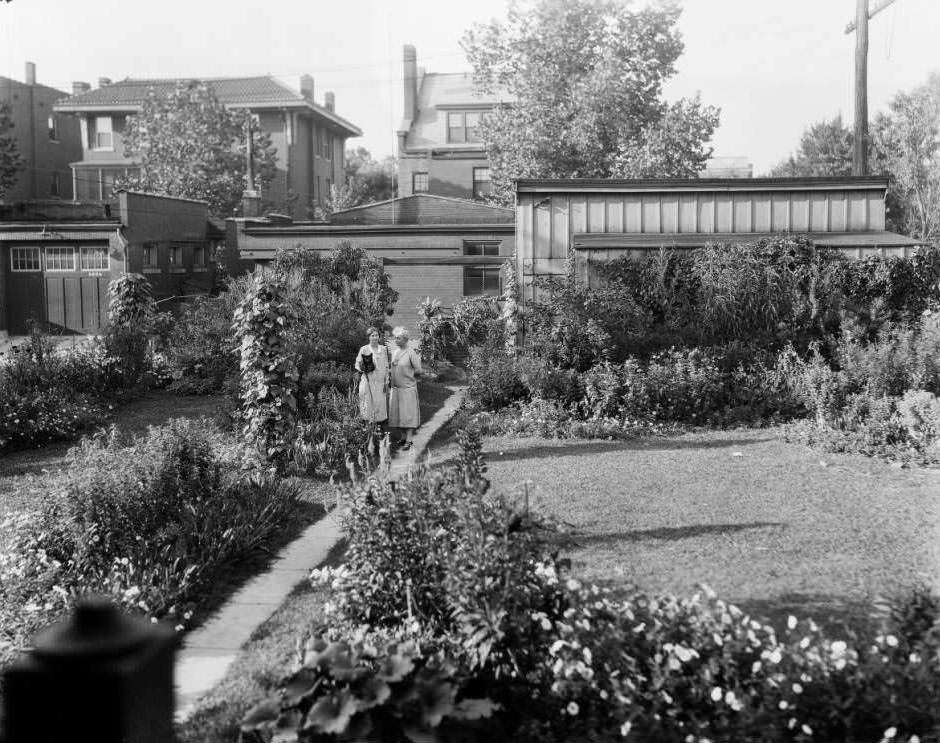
152 522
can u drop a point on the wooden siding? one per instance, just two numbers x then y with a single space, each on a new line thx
547 220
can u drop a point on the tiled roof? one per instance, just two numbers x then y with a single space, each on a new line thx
234 90
254 92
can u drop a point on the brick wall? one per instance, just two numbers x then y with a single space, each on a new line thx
446 177
415 283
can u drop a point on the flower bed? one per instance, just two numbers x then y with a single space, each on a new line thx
451 621
154 523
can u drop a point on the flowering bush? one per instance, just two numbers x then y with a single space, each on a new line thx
47 394
152 524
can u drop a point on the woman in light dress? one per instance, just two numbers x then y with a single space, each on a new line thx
373 386
403 408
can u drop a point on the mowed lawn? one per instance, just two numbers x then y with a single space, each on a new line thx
773 527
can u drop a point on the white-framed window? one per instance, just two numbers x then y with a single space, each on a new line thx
151 256
94 259
482 186
463 127
53 128
102 135
199 256
60 259
176 256
25 259
481 247
419 182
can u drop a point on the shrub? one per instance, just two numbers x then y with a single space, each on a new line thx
919 412
201 349
437 332
575 327
495 381
154 524
131 314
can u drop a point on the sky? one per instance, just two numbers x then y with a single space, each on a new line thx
772 66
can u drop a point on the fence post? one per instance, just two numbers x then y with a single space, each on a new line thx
99 675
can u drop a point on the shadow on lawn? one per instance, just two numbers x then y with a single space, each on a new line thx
669 533
576 448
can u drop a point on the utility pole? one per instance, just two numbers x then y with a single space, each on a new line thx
860 26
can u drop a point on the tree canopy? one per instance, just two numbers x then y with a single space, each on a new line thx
581 83
904 143
11 162
367 180
190 145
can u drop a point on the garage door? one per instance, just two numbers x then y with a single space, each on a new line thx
63 286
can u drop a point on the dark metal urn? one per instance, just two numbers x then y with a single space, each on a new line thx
98 676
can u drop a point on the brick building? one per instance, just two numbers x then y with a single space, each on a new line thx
439 147
47 141
432 246
310 138
57 257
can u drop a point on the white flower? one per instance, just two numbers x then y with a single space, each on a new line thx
791 622
572 585
572 708
131 593
914 739
775 656
625 728
755 667
783 704
732 701
891 641
797 689
890 732
716 694
837 649
807 729
684 654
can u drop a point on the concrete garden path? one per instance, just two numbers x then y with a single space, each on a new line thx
208 652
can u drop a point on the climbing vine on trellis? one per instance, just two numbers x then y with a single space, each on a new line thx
268 372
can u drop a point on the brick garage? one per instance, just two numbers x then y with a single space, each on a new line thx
432 246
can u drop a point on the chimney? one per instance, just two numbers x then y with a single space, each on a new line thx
30 73
306 87
251 204
78 87
410 59
329 100
104 81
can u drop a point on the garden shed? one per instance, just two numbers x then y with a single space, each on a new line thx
595 220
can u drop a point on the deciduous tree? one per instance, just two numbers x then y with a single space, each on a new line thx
11 162
582 83
192 146
907 137
825 150
904 144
